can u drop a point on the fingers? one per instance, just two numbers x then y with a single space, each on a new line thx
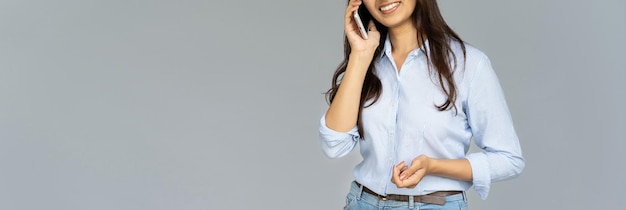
349 24
355 2
407 176
353 5
415 165
395 174
412 180
419 163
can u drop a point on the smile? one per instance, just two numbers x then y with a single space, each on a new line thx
389 8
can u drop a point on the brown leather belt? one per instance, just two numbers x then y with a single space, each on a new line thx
438 197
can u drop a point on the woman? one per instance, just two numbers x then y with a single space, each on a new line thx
414 95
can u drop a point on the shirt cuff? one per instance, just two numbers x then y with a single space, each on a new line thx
480 173
337 144
333 138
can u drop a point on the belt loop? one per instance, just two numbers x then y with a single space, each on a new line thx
464 197
411 201
358 195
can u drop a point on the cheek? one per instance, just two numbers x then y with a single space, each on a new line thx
410 6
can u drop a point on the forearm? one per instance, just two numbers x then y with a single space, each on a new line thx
459 169
344 110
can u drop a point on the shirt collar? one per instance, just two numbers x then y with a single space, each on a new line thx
416 52
386 47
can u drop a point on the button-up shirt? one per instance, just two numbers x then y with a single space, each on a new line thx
404 123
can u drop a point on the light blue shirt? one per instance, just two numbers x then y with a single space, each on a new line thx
404 123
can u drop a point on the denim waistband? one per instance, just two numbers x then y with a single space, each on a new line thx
359 194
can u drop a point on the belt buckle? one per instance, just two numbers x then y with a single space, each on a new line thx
384 198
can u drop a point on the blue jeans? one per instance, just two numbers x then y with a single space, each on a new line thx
359 200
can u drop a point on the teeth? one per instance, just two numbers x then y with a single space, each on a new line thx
388 7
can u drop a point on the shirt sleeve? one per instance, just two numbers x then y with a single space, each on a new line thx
337 144
493 131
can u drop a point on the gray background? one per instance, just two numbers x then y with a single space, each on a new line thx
190 104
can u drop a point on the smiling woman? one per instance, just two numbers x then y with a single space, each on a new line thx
414 95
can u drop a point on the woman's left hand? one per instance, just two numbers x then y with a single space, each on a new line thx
409 176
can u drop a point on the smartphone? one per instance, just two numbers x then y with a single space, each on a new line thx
359 24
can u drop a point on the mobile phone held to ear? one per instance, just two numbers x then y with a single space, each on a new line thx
359 24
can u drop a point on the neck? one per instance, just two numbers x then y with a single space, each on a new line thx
404 38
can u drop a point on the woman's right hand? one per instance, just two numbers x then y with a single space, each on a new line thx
357 43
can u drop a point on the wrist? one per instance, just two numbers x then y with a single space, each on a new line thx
358 64
432 165
363 55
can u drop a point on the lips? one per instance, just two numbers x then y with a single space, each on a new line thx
389 8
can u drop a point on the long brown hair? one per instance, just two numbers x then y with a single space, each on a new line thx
439 54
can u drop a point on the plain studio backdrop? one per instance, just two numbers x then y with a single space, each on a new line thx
196 104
